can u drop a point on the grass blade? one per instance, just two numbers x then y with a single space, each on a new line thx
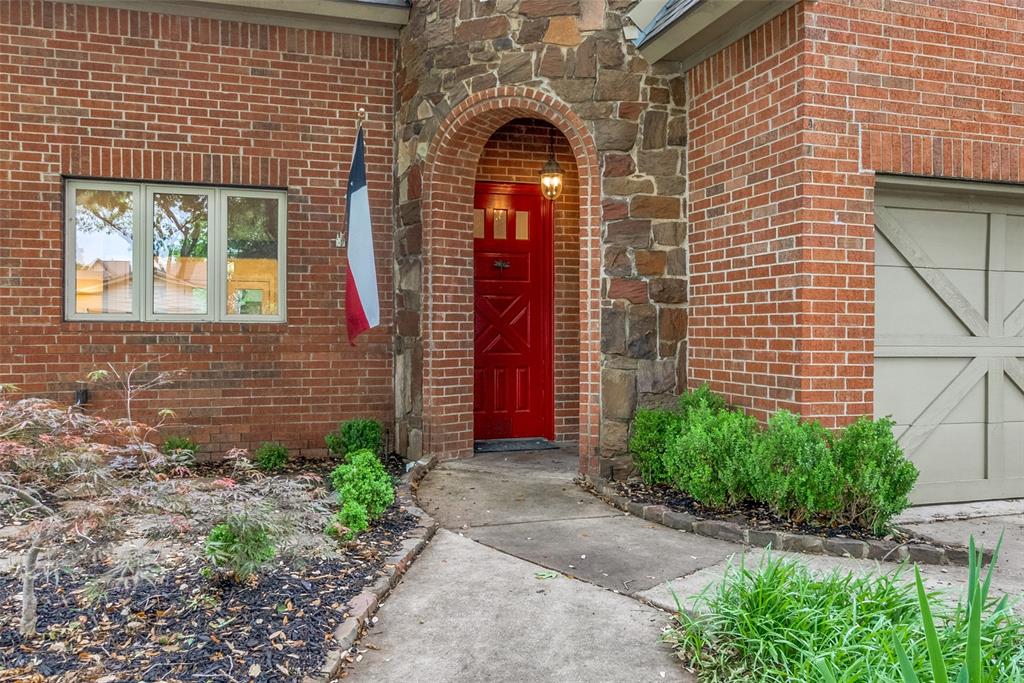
906 668
932 638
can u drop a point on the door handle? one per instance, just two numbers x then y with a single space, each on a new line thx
501 265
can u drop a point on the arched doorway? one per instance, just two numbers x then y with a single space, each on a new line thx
448 291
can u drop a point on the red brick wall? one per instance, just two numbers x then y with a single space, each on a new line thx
515 153
788 128
97 92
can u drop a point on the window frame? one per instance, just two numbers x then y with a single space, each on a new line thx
142 252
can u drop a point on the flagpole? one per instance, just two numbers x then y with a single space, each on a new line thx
341 239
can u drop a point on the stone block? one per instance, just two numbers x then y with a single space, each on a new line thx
650 262
613 330
800 543
634 291
763 539
552 62
617 86
667 290
655 513
617 262
926 554
720 529
678 520
574 89
627 186
845 547
642 336
672 324
676 261
613 209
583 60
592 15
614 134
532 30
563 30
669 233
486 28
655 124
618 394
654 206
618 165
629 233
614 437
677 131
656 376
661 162
515 67
548 8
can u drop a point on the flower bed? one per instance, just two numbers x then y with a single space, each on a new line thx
138 568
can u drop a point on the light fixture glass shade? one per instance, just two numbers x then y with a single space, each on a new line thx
551 179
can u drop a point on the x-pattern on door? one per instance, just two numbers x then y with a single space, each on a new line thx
513 300
949 307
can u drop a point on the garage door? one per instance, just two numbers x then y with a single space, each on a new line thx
949 345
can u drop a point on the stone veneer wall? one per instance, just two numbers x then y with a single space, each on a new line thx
574 52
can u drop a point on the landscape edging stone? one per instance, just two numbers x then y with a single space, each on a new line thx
929 552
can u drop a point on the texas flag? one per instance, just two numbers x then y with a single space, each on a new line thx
362 306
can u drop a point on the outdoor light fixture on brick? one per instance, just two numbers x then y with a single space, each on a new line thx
551 174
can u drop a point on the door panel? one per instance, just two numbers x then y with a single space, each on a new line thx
513 310
949 321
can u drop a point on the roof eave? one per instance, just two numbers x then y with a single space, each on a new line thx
708 27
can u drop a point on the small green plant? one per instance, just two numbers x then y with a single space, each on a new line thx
350 521
877 476
355 435
792 470
240 545
707 459
270 456
364 490
178 443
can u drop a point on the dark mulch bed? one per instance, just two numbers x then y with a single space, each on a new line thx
185 627
394 463
749 514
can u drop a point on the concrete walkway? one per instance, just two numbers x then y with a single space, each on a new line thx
533 579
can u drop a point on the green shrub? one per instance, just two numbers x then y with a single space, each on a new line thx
701 396
792 469
356 435
707 459
350 521
241 545
362 482
877 476
655 429
174 444
270 456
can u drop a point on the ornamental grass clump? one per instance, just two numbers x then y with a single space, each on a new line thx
270 456
780 622
364 490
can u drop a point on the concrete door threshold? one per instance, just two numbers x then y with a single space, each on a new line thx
938 513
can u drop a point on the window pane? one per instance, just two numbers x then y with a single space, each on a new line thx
180 250
478 223
252 256
500 218
522 225
103 251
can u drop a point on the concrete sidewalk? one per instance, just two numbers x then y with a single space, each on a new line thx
534 579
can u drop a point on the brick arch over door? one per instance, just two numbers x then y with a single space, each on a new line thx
447 328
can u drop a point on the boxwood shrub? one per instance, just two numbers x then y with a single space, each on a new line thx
364 490
797 468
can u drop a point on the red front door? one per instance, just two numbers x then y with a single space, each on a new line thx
513 313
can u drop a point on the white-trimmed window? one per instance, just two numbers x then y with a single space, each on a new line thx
144 251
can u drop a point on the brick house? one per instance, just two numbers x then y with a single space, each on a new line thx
810 205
